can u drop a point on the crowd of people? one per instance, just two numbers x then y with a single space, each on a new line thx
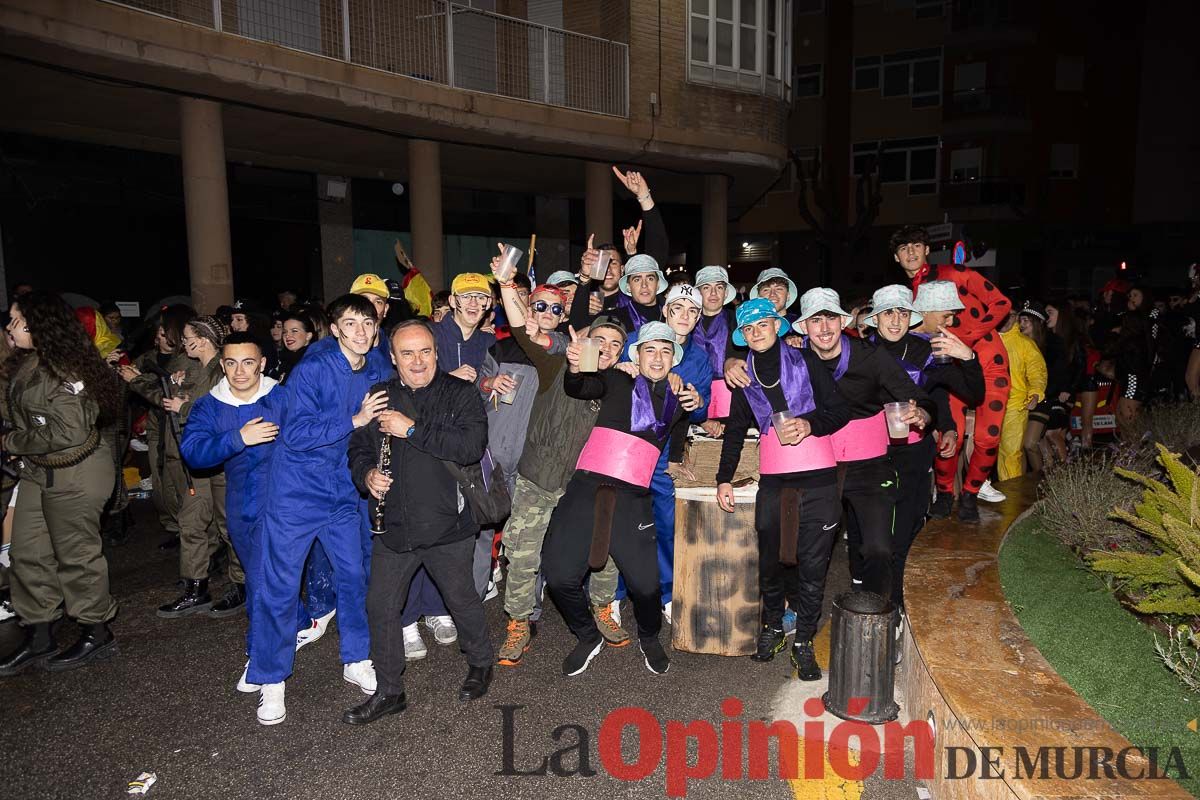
392 456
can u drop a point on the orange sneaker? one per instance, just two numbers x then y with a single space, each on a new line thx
516 644
614 634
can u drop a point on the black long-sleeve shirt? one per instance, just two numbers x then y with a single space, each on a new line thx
963 379
873 377
830 414
655 244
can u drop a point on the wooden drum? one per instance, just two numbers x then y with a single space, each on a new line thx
715 605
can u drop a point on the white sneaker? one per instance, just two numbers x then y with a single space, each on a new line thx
6 611
314 631
138 446
271 710
244 685
414 645
443 629
361 674
667 613
492 591
497 573
615 606
990 494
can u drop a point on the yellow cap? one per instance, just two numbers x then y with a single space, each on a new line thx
469 282
369 283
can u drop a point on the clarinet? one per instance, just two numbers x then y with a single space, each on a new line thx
385 467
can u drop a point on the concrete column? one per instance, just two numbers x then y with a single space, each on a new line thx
206 203
552 223
425 210
716 221
598 200
335 213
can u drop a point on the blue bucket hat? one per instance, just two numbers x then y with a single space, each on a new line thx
656 332
754 310
639 264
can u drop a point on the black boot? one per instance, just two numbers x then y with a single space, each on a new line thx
35 650
476 684
805 661
378 705
232 602
770 641
968 508
194 600
97 642
940 508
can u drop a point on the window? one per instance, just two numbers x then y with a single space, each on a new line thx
911 161
913 73
1064 161
1068 74
741 44
965 164
928 9
807 82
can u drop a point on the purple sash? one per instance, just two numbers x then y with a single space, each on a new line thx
916 373
714 341
797 389
634 310
843 359
642 417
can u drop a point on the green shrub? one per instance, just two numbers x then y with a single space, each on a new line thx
1176 425
1077 497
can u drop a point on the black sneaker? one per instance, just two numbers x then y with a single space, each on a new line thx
968 508
940 508
231 603
805 662
582 656
770 641
655 657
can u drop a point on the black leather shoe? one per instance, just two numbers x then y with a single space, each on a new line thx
968 508
476 684
940 508
805 662
379 705
97 642
194 600
34 651
770 641
232 602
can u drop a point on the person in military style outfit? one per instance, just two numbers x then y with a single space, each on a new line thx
62 403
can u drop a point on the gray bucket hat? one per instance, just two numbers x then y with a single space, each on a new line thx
776 272
821 299
894 296
655 332
937 296
709 275
561 276
639 265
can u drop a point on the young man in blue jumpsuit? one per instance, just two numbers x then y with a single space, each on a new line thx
310 497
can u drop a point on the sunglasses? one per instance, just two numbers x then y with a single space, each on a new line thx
541 306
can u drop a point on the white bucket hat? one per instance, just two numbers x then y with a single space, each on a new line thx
655 332
775 272
821 299
639 265
716 275
561 276
894 296
937 296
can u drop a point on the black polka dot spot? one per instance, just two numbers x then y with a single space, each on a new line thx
975 313
975 482
962 290
987 318
987 337
996 405
1001 382
999 359
991 451
955 323
988 285
993 430
960 268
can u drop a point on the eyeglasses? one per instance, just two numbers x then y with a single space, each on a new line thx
474 299
541 306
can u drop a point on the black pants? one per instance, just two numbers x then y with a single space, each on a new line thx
802 585
633 547
869 492
914 465
449 565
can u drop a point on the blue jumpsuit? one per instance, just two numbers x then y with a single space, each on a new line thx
310 497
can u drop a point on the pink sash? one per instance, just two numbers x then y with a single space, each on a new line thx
861 439
914 436
813 452
718 404
619 455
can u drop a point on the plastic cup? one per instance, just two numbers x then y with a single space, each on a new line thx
600 268
512 395
589 354
777 420
942 358
508 263
894 413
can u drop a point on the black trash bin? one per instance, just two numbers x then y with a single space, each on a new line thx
862 658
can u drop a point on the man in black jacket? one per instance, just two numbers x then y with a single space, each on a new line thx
432 418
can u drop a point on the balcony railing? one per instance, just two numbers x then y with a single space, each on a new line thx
982 192
431 40
973 102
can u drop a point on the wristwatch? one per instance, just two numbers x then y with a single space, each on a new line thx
410 430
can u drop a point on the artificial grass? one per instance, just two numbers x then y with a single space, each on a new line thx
1098 647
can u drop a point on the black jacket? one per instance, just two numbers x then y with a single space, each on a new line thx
424 507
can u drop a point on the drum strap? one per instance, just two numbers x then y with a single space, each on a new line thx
602 518
789 524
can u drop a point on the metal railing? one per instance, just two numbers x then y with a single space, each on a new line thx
430 40
982 192
969 102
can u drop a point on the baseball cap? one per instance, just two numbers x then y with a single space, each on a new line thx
370 283
469 282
